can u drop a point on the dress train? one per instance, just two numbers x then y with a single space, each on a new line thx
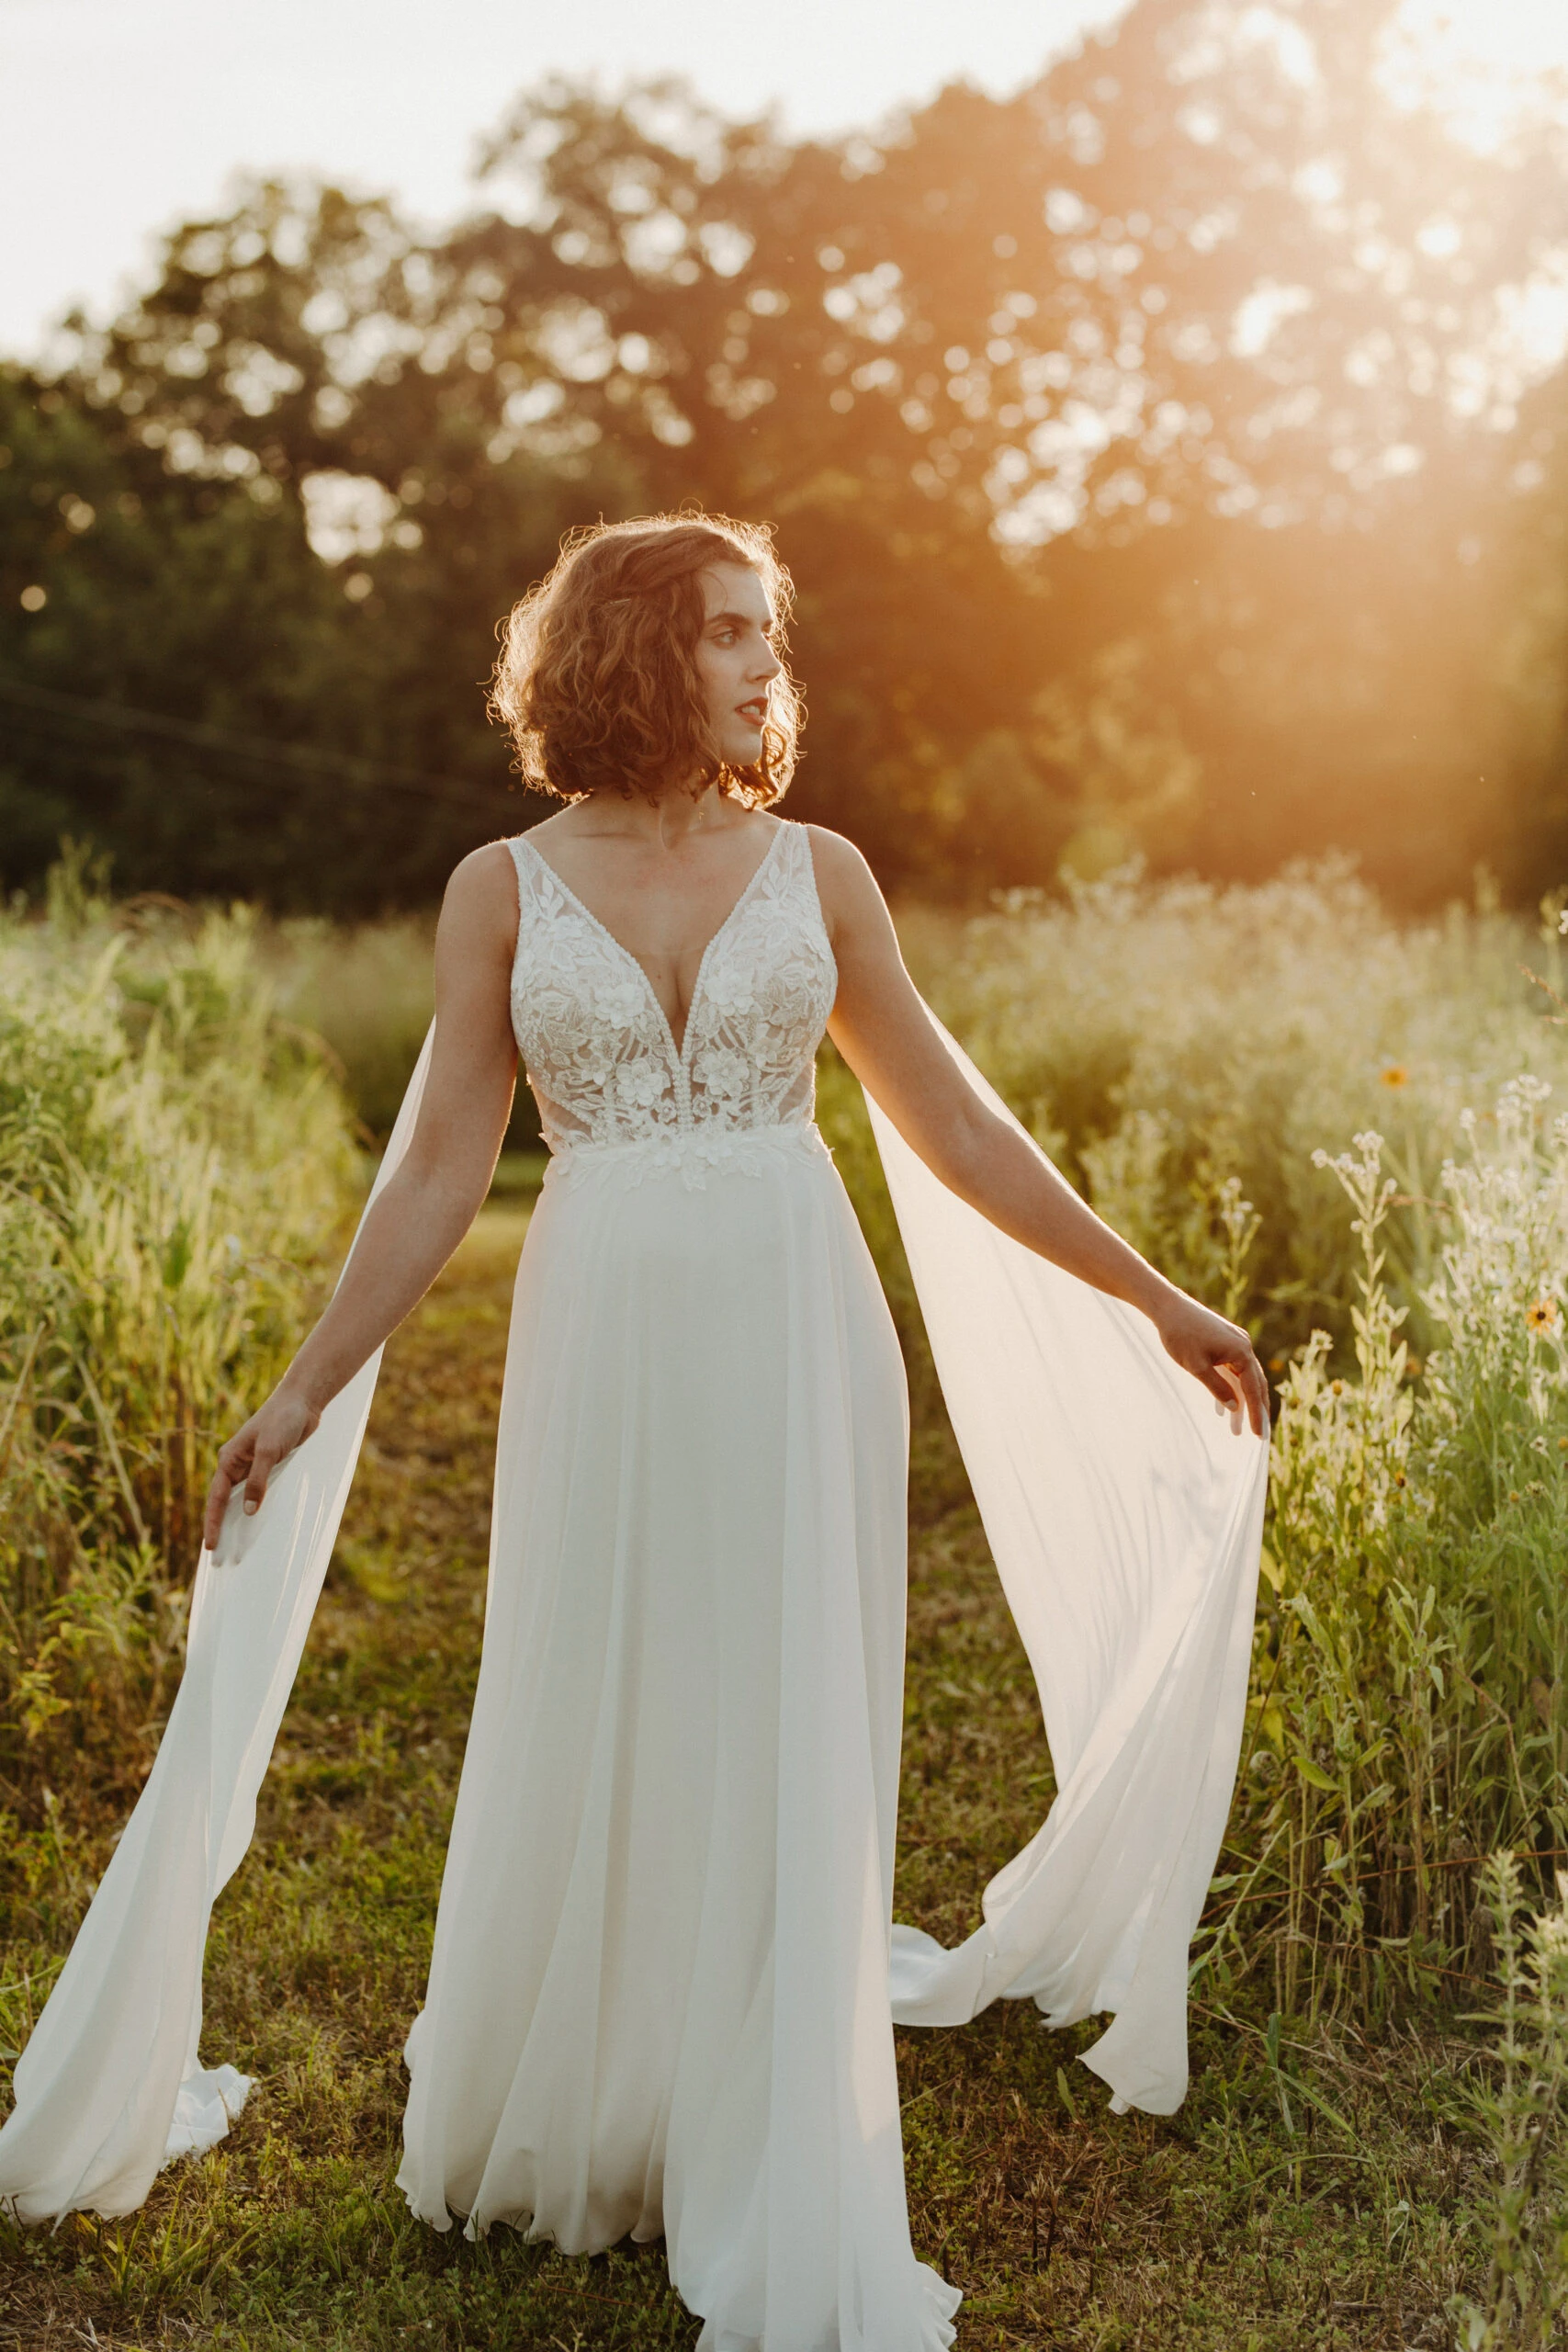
699 1253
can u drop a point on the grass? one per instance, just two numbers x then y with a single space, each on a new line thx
366 991
176 1165
1320 2195
1357 2155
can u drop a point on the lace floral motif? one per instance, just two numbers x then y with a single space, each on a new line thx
598 1050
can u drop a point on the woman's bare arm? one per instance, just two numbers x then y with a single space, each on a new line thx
881 1025
431 1202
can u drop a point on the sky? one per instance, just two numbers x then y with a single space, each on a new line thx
120 117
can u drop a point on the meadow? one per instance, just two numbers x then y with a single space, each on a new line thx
1347 1132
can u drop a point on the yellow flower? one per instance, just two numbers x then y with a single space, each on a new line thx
1395 1074
1542 1315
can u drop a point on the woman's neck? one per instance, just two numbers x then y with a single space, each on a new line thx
668 822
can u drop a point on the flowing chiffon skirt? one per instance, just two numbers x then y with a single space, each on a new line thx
658 1996
660 1991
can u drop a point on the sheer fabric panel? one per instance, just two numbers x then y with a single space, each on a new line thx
110 2086
1124 1516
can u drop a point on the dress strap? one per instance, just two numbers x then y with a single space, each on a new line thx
540 894
526 862
799 864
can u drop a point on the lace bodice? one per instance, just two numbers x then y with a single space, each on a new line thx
598 1050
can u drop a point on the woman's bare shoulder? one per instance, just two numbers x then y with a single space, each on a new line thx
490 869
480 898
854 908
841 870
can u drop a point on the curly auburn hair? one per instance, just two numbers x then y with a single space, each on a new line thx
598 679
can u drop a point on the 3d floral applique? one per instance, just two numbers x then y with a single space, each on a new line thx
598 1050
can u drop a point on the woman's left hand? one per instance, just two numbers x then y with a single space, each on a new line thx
1218 1353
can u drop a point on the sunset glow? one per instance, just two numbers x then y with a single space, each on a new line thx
1487 65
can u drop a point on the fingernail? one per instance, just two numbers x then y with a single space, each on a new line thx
249 1509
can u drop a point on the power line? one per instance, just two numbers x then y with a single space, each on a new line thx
266 751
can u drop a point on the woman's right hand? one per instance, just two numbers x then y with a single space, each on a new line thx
253 1453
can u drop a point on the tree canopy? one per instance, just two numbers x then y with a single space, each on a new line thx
1167 458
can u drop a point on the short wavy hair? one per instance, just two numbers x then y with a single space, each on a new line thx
598 680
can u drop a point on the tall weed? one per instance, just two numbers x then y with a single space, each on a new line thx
1408 1713
1194 1058
365 989
175 1167
1523 2115
1182 1049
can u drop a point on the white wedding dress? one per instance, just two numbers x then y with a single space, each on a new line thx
663 1984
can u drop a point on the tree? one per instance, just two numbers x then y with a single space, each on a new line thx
1146 449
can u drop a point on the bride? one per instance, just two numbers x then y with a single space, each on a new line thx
663 1988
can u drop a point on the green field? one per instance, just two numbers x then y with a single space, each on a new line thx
1359 2163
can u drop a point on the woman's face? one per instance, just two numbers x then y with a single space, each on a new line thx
736 660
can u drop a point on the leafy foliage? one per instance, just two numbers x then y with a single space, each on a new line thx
1155 450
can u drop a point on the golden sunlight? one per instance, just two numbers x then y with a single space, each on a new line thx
1488 65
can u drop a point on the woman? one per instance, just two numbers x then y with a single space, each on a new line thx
659 1997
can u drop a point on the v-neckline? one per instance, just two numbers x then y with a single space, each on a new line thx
678 1051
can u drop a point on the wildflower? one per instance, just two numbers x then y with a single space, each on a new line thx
1542 1315
1394 1074
1337 1388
